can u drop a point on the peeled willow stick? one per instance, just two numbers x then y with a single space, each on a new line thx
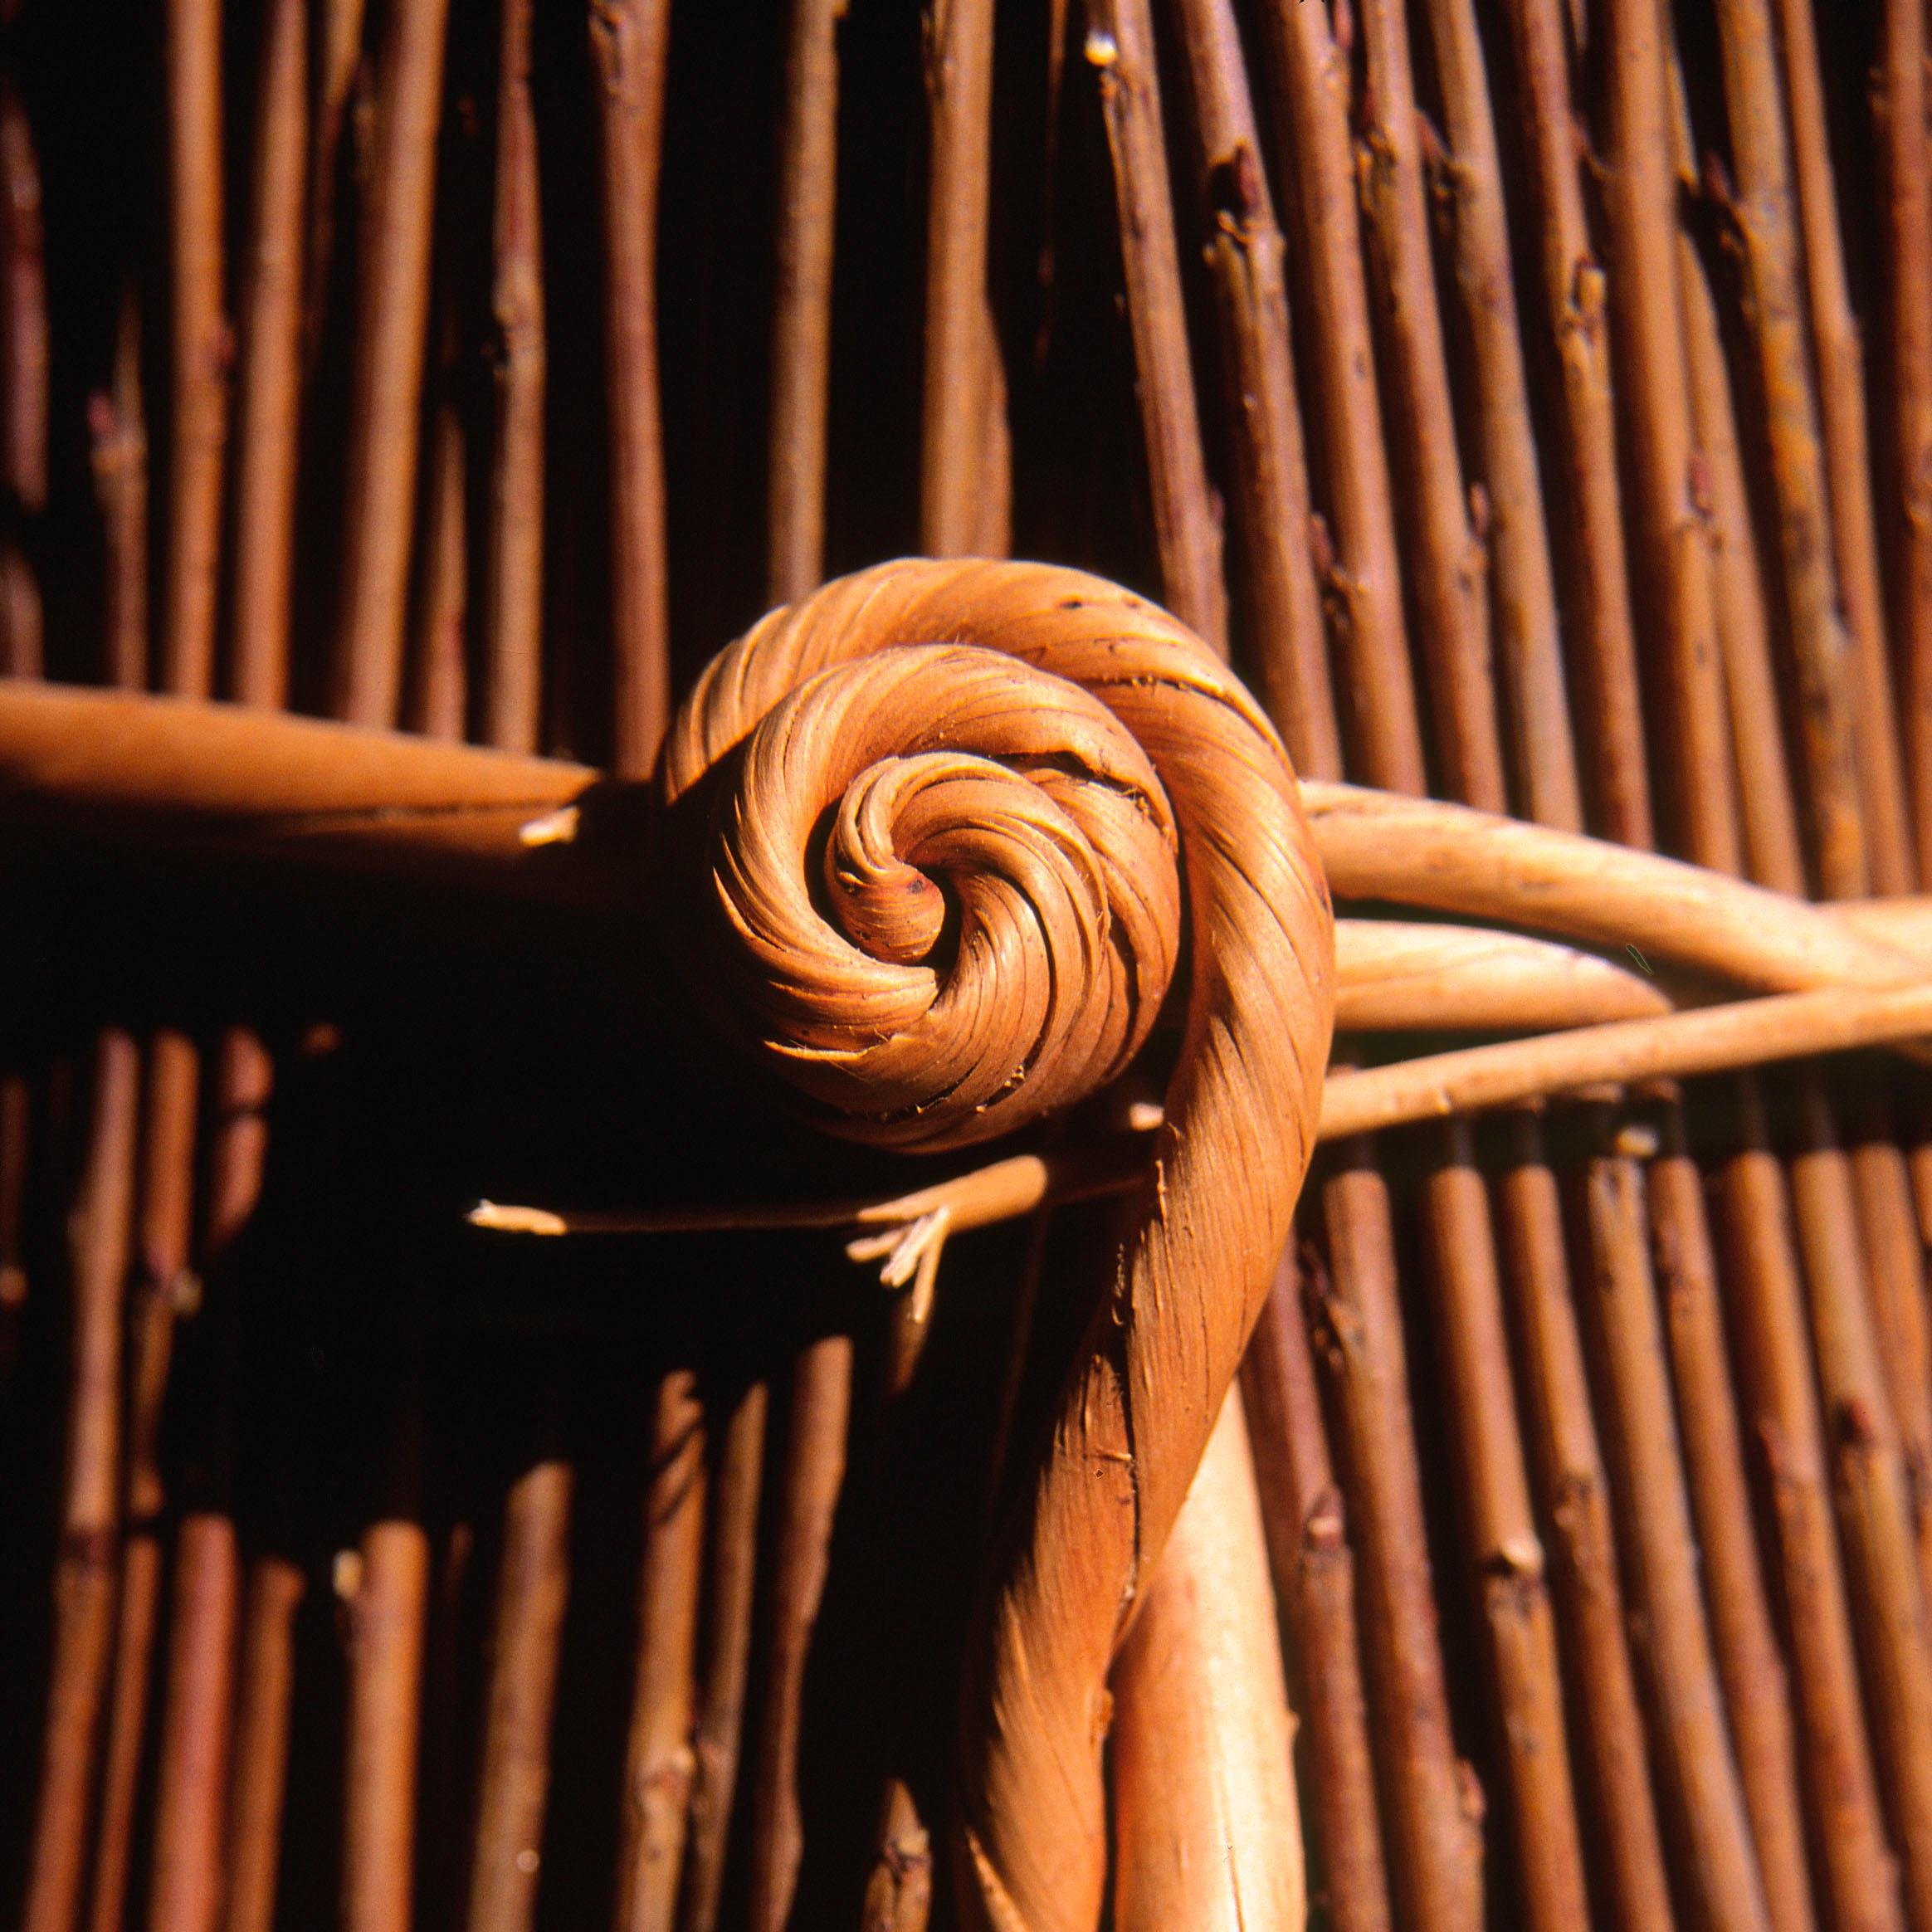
1244 258
959 359
200 346
629 41
23 385
1314 1570
1187 522
1363 581
1905 173
378 520
439 703
514 600
1204 1740
268 416
85 1569
1836 340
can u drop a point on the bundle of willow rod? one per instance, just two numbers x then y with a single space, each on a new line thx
1533 402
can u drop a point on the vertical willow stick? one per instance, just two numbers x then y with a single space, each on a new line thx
1314 1589
1646 311
1750 1662
442 697
1435 1841
118 429
658 1761
1874 1514
1589 1592
378 521
1837 345
1524 599
953 432
260 1779
1187 526
1447 567
1575 303
386 1618
730 1591
1364 582
513 634
1506 1552
629 42
23 385
1700 1773
17 1133
814 1466
268 417
191 1800
1860 1876
199 398
802 303
1906 169
1765 214
84 1571
258 1771
1245 257
339 51
165 1208
533 1587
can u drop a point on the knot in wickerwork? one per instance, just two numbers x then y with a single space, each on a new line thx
946 895
925 835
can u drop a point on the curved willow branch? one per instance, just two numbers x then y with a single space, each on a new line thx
994 839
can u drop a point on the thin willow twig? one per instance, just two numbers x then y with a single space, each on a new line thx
730 1592
391 313
629 47
1315 1586
1567 1461
339 48
85 1570
23 385
953 428
512 625
1186 523
1364 582
802 302
1289 651
259 1780
1447 568
118 433
1837 345
200 346
268 416
1750 1661
814 1466
658 1763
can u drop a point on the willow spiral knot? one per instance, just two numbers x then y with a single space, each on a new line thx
930 828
